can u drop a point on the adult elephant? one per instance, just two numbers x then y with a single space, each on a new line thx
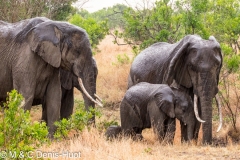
32 52
194 64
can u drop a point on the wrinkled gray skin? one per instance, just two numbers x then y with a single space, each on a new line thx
32 52
67 101
148 105
193 63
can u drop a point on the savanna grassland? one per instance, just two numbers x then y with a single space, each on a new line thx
113 67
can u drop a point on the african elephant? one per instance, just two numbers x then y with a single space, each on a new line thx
148 105
193 63
32 52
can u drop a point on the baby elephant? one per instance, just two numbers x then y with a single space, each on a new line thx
148 105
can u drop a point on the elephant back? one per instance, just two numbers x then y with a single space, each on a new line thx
141 93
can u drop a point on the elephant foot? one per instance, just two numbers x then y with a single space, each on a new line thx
113 132
137 137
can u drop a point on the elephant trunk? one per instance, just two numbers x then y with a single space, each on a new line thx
205 90
206 110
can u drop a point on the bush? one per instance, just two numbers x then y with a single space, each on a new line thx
18 133
78 121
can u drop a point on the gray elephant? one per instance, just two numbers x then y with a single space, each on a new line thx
32 52
193 63
148 105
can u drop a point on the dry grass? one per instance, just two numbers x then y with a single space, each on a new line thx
93 145
112 77
111 86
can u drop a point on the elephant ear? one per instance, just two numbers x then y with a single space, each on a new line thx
44 39
165 107
66 78
213 39
177 65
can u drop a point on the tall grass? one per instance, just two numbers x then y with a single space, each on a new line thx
112 77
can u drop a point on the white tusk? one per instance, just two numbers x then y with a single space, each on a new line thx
97 97
98 102
86 93
196 109
219 111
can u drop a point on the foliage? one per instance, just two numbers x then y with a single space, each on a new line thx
96 30
16 10
193 16
169 21
113 15
18 133
147 26
78 121
103 125
122 59
63 12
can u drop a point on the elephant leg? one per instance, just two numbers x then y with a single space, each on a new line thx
196 131
113 132
67 103
157 120
44 110
197 124
184 136
131 122
27 92
53 102
170 129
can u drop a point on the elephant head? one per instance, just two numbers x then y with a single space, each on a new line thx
63 45
184 112
195 64
164 99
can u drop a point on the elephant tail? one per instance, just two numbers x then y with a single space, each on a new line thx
113 131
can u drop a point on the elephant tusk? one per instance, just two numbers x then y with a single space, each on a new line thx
196 109
86 93
99 102
99 99
219 111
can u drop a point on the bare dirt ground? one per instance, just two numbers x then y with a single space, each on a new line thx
111 86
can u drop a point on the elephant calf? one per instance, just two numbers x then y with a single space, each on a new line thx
148 105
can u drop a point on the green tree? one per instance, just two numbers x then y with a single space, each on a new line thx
113 15
194 13
63 11
149 25
16 10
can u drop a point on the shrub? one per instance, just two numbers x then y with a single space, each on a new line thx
78 121
123 59
18 133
